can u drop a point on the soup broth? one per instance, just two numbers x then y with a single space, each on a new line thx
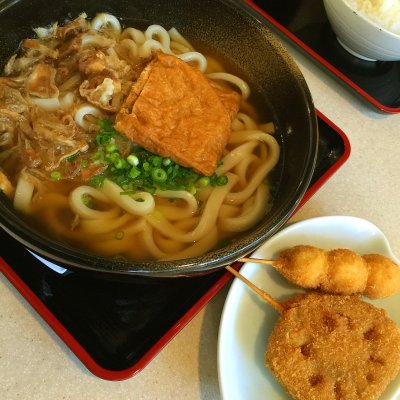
131 192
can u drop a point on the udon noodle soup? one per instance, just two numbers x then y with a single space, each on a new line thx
96 151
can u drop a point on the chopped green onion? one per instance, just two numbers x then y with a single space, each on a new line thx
121 180
112 157
222 180
96 181
120 163
141 170
55 175
156 161
133 160
111 148
103 139
99 155
146 166
134 173
105 124
203 181
217 180
166 162
159 175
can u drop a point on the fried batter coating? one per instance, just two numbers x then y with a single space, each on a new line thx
347 272
339 271
304 265
381 269
333 347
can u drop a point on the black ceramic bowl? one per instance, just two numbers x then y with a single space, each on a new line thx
233 32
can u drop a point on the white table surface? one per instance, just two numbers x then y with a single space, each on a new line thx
36 364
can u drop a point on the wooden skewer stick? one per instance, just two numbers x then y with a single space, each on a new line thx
265 296
260 261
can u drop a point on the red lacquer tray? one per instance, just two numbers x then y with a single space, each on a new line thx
116 328
306 24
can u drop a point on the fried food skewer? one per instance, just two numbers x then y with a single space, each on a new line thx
264 295
337 271
331 347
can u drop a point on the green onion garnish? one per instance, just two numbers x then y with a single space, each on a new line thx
55 175
136 169
203 181
159 175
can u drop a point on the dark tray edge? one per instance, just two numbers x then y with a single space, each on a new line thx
80 351
316 57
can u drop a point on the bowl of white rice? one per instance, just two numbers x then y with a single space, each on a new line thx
368 29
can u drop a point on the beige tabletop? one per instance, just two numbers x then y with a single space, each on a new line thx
36 364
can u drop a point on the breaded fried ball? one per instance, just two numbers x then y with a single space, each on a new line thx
339 271
303 265
333 347
347 272
384 276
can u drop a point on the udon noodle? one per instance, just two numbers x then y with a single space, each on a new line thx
49 114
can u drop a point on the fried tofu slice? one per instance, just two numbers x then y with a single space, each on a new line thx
229 98
174 111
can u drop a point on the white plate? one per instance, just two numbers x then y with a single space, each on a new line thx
247 321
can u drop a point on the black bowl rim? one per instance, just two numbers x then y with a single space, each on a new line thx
75 259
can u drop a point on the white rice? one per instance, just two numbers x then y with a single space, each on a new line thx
385 13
